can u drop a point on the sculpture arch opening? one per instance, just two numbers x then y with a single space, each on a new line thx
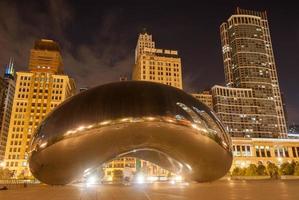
161 123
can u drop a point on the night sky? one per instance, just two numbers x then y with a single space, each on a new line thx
98 39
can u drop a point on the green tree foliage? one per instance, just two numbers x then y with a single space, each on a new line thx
296 169
251 170
237 171
272 170
261 170
5 173
287 168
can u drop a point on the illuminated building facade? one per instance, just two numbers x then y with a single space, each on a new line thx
37 93
237 110
7 89
249 63
263 150
205 97
157 65
130 166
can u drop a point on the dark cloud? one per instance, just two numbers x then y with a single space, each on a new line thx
102 60
98 38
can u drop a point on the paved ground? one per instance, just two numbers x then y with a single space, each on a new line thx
255 190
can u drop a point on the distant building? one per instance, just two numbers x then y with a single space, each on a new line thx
256 151
38 91
7 89
294 129
235 108
156 65
204 97
249 63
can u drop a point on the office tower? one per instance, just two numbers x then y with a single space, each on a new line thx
157 65
249 63
204 97
38 91
7 89
235 107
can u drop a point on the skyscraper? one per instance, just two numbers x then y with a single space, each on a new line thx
204 97
157 65
236 109
249 63
37 93
7 89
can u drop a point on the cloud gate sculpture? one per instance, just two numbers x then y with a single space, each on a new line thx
151 121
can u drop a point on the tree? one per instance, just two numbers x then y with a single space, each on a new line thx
296 169
237 171
261 170
287 169
251 170
272 170
5 173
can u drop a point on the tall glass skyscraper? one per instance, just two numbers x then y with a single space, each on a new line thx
249 63
7 89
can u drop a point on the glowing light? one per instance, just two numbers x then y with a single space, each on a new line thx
90 126
140 179
80 128
172 182
194 126
152 178
150 118
105 122
124 119
2 164
243 164
178 178
189 167
170 120
43 145
87 170
91 180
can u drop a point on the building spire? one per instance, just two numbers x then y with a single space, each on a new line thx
9 71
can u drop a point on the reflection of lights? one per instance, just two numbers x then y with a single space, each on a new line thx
2 164
90 126
87 170
172 182
150 118
43 145
194 126
189 167
124 119
224 144
169 120
105 122
152 178
69 132
178 178
91 180
80 128
140 179
243 164
279 159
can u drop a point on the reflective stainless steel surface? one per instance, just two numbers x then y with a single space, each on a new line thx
148 120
